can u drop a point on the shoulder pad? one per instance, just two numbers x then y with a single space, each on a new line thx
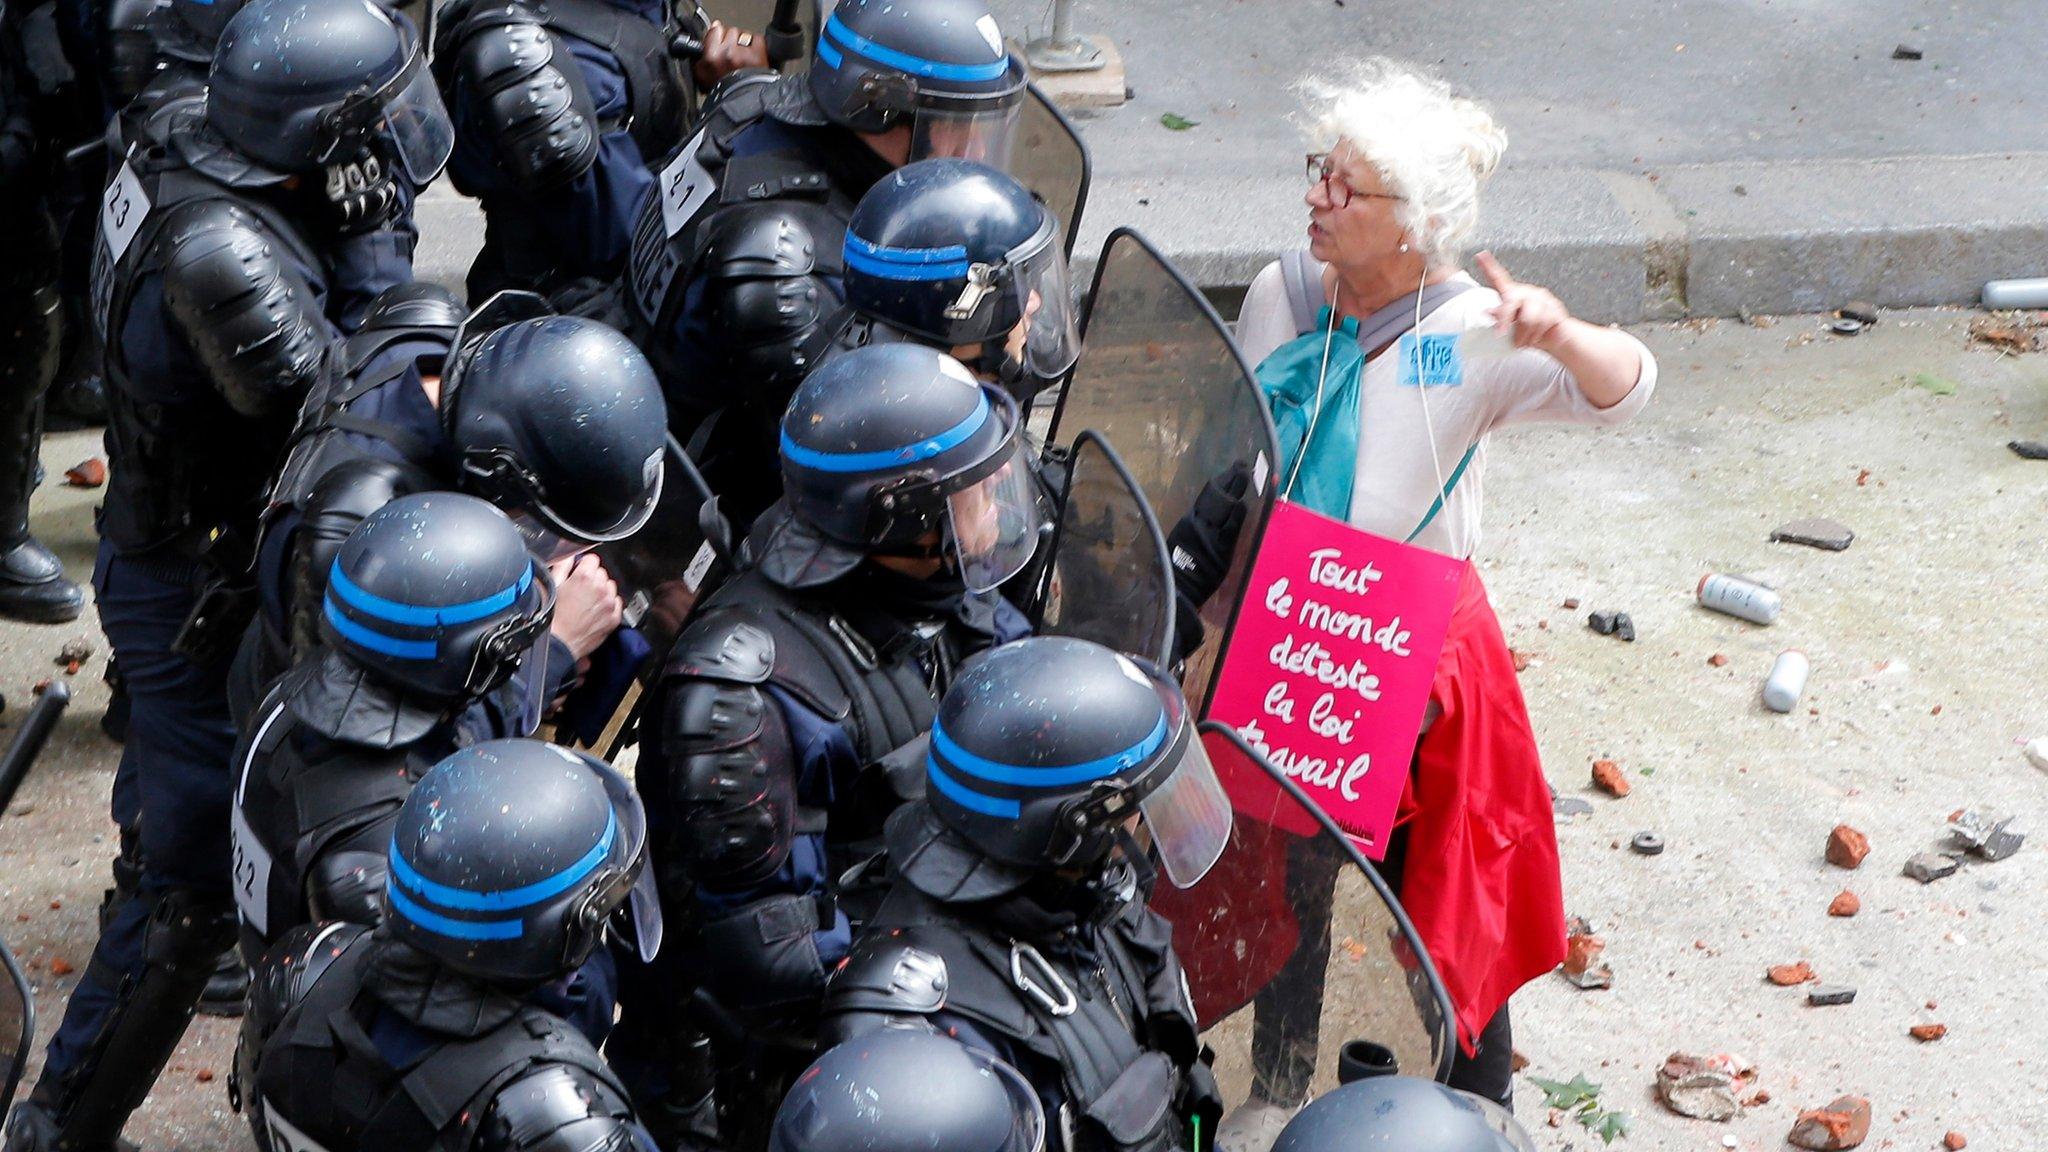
530 94
766 239
557 1108
253 323
723 645
731 776
794 663
360 485
887 971
284 973
347 885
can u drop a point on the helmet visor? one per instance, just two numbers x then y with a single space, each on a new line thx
638 917
516 653
981 132
996 523
1048 340
1503 1123
1188 814
544 543
418 127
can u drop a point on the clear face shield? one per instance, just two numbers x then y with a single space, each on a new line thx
626 899
546 545
1047 341
996 523
981 127
406 111
1188 814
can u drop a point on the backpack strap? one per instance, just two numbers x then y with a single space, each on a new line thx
1303 278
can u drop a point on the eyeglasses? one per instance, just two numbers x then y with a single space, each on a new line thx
1322 170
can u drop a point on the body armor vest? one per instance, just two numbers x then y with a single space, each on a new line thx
314 448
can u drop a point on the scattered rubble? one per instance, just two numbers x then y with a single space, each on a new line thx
1615 624
1717 660
74 654
2010 332
1520 658
1847 847
1845 904
1571 604
1608 778
59 966
1787 975
1647 844
88 473
1581 951
1907 52
1814 532
1829 995
1954 1141
1927 867
1704 1087
2037 752
1927 1033
1842 1124
1985 833
1860 310
2028 449
1566 807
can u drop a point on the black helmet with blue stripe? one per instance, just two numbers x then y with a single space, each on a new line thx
939 67
1045 749
431 602
510 859
896 449
953 253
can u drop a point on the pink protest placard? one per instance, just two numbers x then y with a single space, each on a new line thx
1330 663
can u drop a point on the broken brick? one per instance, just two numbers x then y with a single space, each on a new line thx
1571 604
1830 995
1521 659
1847 847
1787 975
1927 1033
88 473
1842 1124
1845 904
1581 951
1927 867
1863 477
1608 778
1954 1141
1718 660
1763 1096
204 1075
1703 1087
59 966
1517 1061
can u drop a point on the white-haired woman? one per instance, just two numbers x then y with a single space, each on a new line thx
1387 368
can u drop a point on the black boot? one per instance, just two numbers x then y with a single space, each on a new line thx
228 988
32 583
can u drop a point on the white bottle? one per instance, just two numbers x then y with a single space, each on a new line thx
1787 680
1739 598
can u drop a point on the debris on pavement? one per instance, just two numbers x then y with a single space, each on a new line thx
2017 332
1927 1033
90 472
74 654
2028 449
2037 752
1907 52
2006 295
1742 599
1612 624
1704 1087
1607 777
1847 847
1782 688
1954 1141
1985 833
1842 1124
1814 532
1520 658
1571 604
59 966
1860 310
1581 1097
1937 385
1566 807
1647 844
1581 952
1845 904
1788 975
1717 660
1927 867
1829 995
1845 326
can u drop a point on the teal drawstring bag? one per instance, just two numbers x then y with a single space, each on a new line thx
1311 385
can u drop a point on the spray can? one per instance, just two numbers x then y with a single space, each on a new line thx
1786 681
1739 598
2016 294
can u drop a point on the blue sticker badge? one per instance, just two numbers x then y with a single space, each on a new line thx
1436 364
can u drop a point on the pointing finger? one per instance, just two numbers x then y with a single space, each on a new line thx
1497 277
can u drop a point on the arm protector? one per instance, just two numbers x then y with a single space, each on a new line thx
339 501
559 1108
530 96
254 324
770 292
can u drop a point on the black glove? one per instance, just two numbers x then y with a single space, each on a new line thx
361 194
1202 543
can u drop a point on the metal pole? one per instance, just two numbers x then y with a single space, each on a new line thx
1062 50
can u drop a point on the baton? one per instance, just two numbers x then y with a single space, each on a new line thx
28 742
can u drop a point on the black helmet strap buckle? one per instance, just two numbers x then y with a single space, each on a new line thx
501 647
608 893
1035 977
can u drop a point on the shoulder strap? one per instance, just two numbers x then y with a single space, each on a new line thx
1303 279
1377 332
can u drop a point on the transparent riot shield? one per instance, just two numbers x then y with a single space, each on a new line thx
1108 578
1294 948
17 1028
1051 160
1162 380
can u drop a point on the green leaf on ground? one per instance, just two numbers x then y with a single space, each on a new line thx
1611 1126
1939 385
1176 122
1567 1093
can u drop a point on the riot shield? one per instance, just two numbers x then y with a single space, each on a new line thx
1108 578
1162 380
1052 161
17 1028
1294 948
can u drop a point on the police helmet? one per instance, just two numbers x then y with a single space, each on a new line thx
560 421
957 253
896 449
1045 748
189 30
299 84
939 66
511 857
1403 1112
907 1087
437 594
416 304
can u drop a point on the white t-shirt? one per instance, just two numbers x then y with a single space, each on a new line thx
1396 480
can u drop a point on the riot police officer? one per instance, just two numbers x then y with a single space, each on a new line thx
767 750
1402 1112
213 283
734 277
908 1087
560 108
433 602
32 583
1016 917
443 1027
555 419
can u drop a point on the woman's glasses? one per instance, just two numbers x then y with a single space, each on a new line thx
1322 170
